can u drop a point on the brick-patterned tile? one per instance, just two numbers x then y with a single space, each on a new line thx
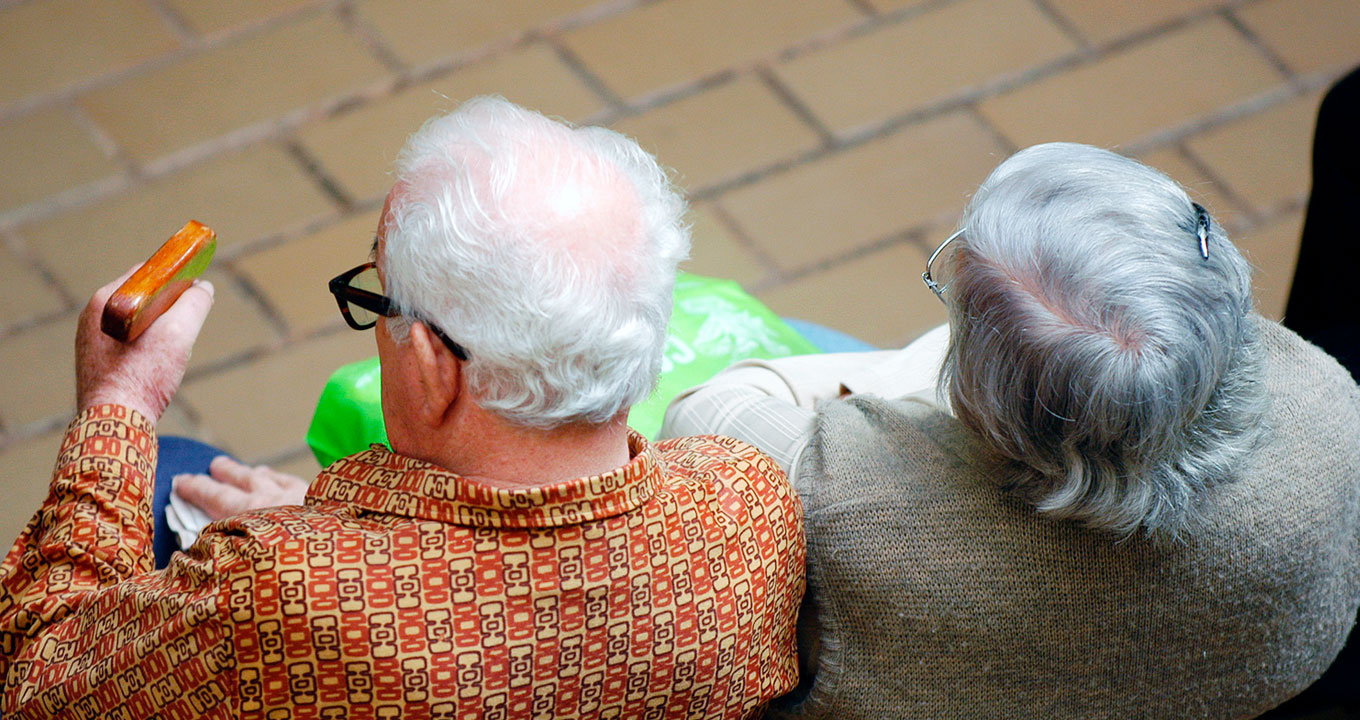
717 252
293 275
262 408
50 44
1308 34
174 421
41 365
1103 20
208 16
892 5
878 298
1265 158
1202 188
235 326
247 81
23 292
818 211
357 148
673 42
25 475
53 153
1162 82
425 32
901 67
1273 251
722 133
243 196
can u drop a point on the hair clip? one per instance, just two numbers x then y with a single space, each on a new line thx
1202 229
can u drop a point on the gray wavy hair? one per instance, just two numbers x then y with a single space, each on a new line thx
1092 343
548 251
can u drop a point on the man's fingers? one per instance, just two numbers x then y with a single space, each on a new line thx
101 296
185 318
217 499
230 472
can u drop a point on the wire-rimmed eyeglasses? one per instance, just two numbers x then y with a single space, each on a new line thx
940 284
358 291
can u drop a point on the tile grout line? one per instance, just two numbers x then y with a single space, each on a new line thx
263 131
241 139
174 20
865 7
911 236
104 141
1267 53
249 135
311 167
791 102
545 32
883 129
244 286
12 243
614 104
991 129
1222 185
767 262
369 38
1225 114
199 45
1065 25
17 435
666 94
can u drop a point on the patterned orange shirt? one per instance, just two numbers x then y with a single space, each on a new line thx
667 588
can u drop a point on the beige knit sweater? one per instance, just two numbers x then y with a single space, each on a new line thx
934 594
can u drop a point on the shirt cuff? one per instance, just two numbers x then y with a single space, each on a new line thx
109 432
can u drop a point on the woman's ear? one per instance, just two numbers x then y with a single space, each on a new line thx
439 374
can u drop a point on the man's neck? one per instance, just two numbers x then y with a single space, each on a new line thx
491 451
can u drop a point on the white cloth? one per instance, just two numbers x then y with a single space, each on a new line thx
185 519
771 404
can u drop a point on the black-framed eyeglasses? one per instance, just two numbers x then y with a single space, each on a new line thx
938 278
358 292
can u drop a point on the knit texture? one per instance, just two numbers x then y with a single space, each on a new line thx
939 595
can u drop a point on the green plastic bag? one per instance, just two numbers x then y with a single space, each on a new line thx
714 323
348 416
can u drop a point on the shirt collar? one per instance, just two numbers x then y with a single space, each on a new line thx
380 480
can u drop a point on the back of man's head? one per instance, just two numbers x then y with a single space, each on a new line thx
548 251
1095 344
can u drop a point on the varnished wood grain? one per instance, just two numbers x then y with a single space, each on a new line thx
156 285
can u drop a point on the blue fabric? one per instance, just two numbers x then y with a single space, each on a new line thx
178 455
828 340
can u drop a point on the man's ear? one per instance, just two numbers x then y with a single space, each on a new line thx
438 371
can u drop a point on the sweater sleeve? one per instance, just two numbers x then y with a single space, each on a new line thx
85 625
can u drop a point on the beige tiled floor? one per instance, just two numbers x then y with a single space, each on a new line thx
827 145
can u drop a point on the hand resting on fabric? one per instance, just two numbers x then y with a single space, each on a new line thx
231 487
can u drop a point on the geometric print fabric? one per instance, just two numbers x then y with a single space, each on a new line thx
667 588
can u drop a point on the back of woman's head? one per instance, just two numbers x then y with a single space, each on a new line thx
1093 342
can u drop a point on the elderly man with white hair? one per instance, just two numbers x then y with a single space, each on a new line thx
1130 496
518 552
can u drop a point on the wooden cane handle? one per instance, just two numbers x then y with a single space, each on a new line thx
159 282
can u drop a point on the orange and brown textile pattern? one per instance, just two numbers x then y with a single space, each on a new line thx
667 588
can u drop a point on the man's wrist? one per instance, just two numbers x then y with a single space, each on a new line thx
120 411
125 400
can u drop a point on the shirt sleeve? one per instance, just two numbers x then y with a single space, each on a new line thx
771 404
85 625
749 403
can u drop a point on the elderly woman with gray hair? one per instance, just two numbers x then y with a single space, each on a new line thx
1130 495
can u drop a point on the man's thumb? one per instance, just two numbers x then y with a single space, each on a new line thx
185 318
